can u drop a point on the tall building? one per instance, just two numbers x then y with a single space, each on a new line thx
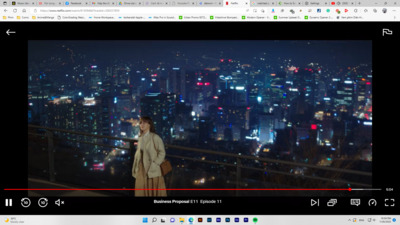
300 110
234 96
36 102
176 82
95 77
345 96
233 121
107 110
122 75
266 126
61 113
362 95
88 117
123 102
205 129
161 108
304 80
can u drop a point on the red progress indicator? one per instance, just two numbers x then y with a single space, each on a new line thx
180 189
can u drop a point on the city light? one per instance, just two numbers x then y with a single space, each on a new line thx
367 123
89 101
239 88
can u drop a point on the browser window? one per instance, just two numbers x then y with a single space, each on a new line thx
199 112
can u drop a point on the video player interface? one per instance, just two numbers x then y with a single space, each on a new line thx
195 122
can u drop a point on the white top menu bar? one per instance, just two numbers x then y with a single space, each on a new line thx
334 14
198 3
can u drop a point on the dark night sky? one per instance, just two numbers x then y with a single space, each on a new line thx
341 53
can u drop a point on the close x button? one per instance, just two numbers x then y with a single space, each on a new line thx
389 202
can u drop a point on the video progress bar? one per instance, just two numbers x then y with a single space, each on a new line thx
180 189
194 189
366 189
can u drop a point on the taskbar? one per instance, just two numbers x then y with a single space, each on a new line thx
200 219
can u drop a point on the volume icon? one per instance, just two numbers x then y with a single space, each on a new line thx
8 202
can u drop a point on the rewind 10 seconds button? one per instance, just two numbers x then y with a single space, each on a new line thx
25 202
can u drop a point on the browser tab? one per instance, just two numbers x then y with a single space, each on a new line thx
22 3
102 3
210 3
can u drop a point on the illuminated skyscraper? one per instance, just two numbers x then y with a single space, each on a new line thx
161 108
61 113
95 77
345 95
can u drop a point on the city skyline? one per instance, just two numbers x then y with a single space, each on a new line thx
305 51
300 101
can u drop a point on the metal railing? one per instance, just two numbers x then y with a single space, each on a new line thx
49 134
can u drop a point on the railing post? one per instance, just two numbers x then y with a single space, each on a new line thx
238 175
50 150
132 152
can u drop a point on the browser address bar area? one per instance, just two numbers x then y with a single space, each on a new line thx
52 10
172 10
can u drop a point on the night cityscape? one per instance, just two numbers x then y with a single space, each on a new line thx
302 102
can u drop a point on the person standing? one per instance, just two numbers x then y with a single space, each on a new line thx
150 153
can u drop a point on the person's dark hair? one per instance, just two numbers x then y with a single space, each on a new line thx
148 120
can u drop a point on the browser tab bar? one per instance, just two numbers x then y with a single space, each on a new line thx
323 3
112 3
196 3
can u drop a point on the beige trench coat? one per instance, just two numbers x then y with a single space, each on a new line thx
152 158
